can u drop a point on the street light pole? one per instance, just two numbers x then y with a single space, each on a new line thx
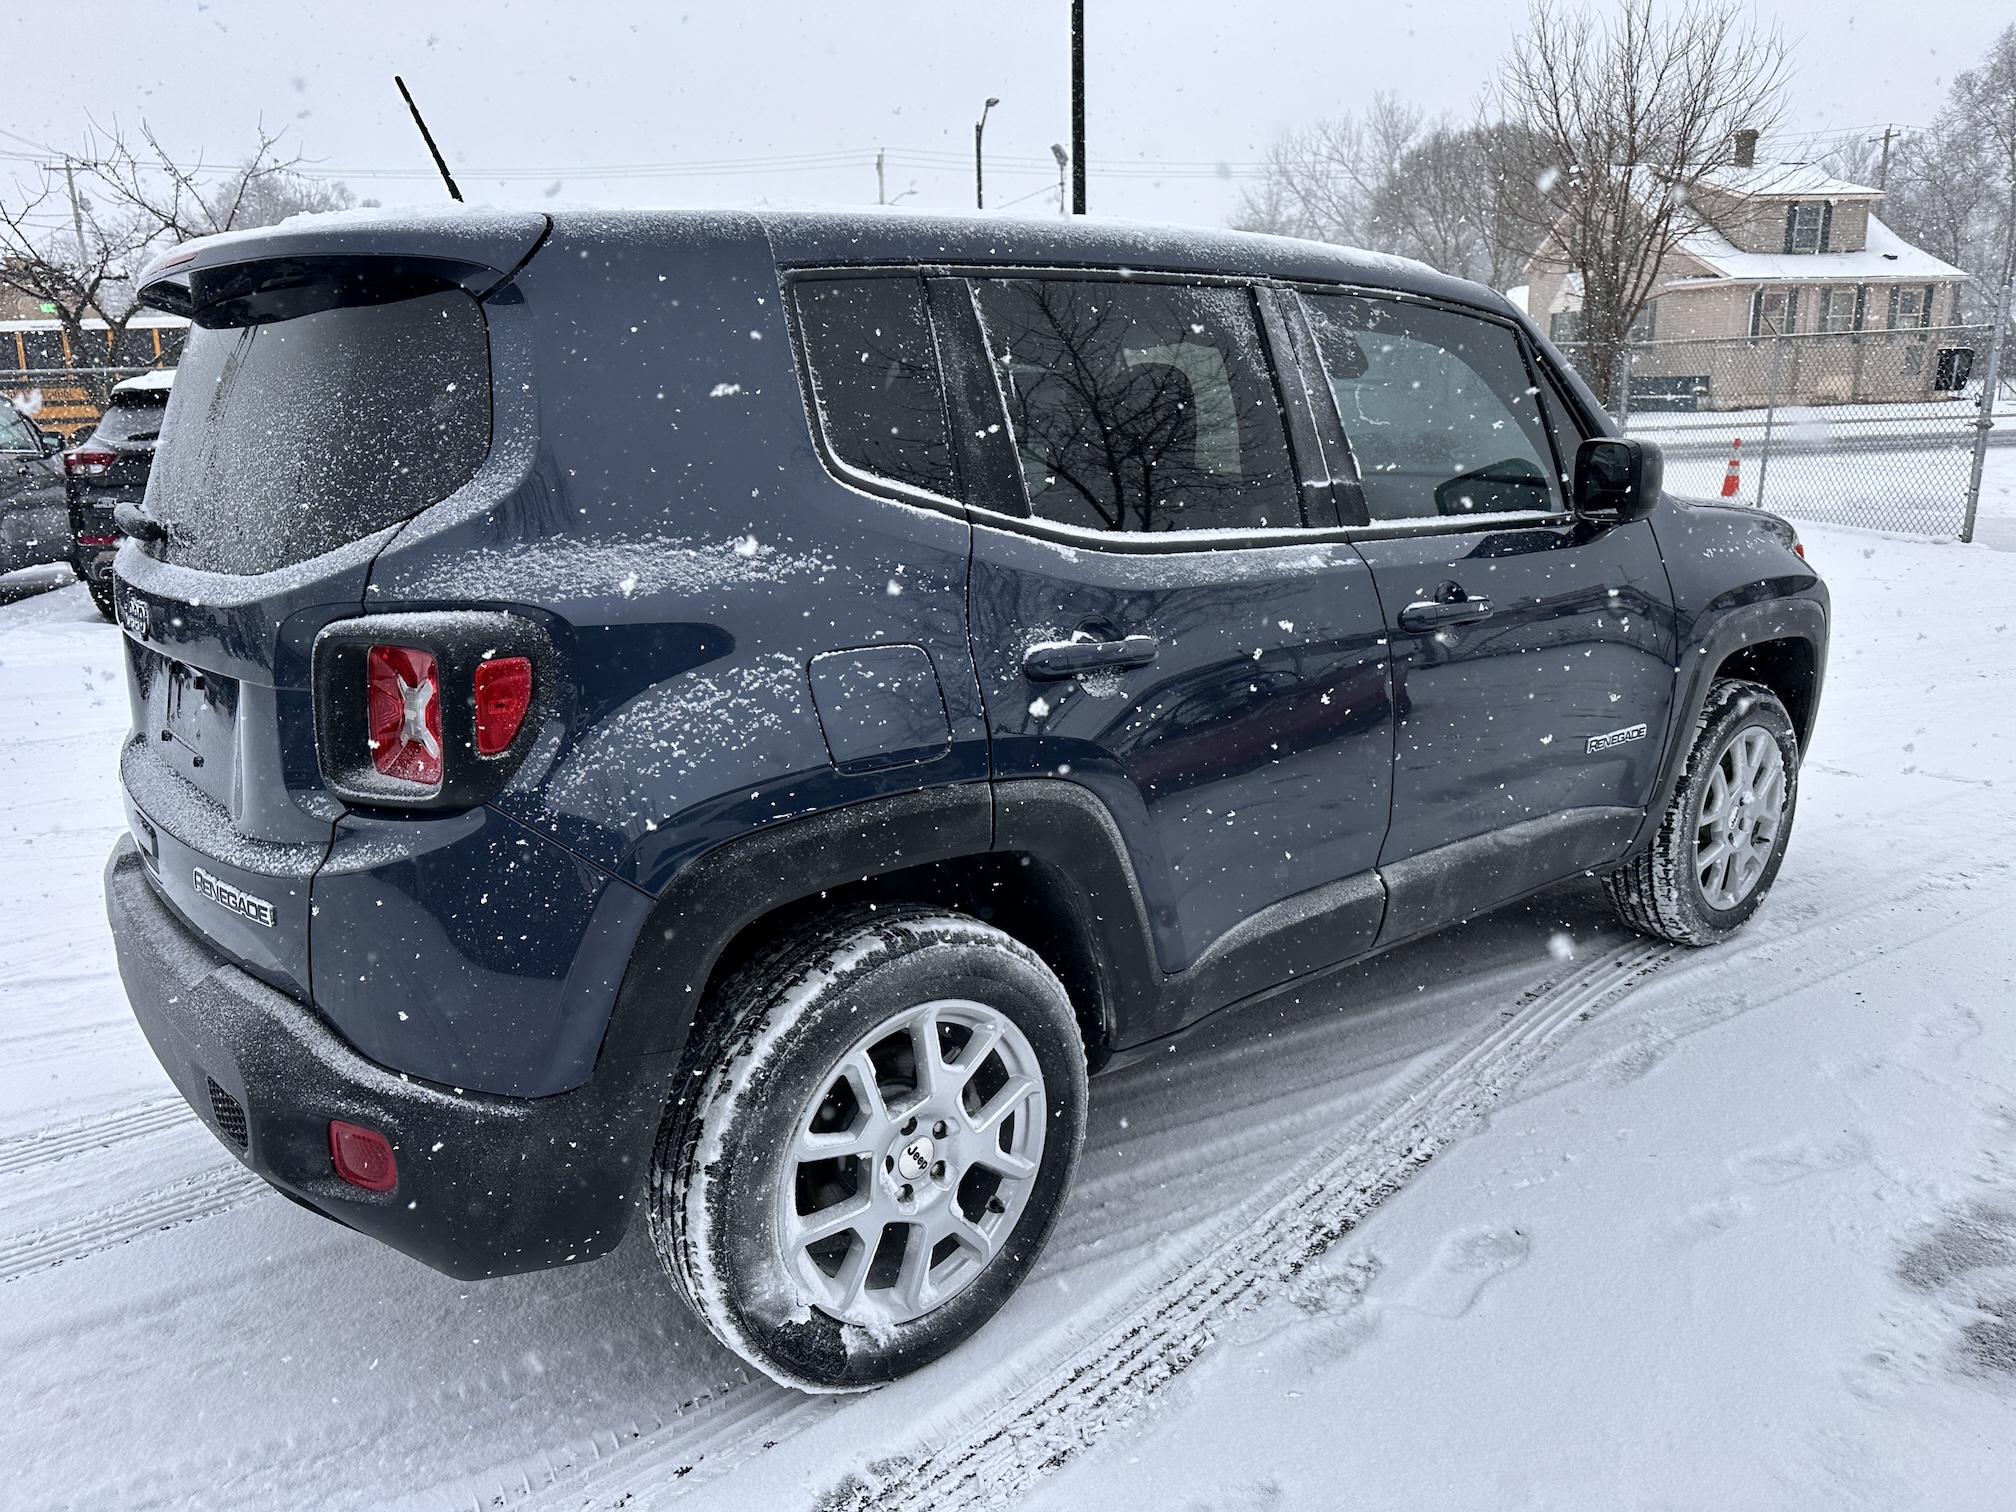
979 177
1077 107
1063 163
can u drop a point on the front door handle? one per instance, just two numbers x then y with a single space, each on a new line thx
1428 615
1055 661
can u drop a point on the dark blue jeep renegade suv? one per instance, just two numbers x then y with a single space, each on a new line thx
734 715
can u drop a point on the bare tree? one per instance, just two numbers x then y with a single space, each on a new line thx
75 235
1624 119
1951 188
1394 180
181 201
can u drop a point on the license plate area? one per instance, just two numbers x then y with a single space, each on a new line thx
192 720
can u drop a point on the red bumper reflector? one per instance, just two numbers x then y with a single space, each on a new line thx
363 1157
503 694
403 688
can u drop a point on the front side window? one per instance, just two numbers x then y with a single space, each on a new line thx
875 378
1910 306
1774 312
1440 409
15 432
1841 308
1808 227
1140 407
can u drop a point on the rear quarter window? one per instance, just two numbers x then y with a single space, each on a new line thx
288 437
878 398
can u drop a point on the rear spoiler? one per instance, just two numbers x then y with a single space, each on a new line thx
481 251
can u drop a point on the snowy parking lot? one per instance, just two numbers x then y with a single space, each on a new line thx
1534 1213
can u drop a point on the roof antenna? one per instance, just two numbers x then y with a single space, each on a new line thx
428 137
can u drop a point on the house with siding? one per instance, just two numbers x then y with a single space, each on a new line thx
1785 251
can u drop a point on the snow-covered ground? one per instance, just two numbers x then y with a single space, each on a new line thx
1731 1228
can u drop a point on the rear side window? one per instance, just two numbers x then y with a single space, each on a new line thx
132 417
1140 407
875 378
1440 409
307 418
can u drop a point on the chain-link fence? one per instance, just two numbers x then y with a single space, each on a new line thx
1873 428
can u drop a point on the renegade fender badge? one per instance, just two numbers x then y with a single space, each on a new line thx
1616 738
134 617
231 900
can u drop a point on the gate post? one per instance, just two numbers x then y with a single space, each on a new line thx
1985 422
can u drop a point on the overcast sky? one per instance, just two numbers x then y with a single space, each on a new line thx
669 104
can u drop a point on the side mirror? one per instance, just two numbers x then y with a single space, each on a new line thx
52 442
1617 481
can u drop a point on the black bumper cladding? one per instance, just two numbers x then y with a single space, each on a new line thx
487 1185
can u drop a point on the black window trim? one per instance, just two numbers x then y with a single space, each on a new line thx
1537 370
1310 470
984 471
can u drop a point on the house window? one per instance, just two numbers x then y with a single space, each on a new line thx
1841 308
1809 227
1774 312
1564 327
1910 306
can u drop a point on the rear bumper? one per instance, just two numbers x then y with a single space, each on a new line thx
488 1185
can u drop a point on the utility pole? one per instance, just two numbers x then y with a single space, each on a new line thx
1077 107
1883 169
76 215
881 190
979 177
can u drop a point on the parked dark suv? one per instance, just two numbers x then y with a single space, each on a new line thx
108 468
734 715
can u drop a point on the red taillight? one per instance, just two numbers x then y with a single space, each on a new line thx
362 1157
403 689
85 461
503 694
1799 548
98 540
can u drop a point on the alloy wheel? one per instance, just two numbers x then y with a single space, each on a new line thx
911 1164
1741 812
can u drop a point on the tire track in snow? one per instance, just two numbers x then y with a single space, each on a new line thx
164 1208
25 1151
1077 1399
707 1436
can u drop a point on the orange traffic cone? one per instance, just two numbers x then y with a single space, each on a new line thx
1732 480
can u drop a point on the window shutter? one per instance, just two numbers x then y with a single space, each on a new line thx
1791 221
1861 304
1827 227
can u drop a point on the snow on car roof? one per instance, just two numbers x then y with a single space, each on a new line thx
159 378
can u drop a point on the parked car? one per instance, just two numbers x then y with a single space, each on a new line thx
109 467
723 720
31 495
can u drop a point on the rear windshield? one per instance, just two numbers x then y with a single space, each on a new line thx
303 421
132 417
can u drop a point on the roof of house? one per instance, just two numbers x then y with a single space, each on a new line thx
1885 258
1798 179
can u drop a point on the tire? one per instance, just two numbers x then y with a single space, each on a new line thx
938 1201
101 594
1698 882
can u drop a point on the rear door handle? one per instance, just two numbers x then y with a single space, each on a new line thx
1054 661
1428 615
